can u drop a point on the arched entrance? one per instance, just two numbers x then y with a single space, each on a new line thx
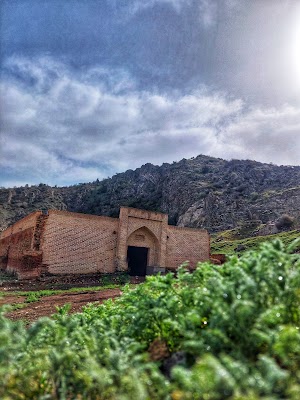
142 251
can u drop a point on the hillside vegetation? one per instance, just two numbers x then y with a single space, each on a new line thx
229 332
224 243
202 192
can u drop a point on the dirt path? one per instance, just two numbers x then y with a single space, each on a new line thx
45 306
11 299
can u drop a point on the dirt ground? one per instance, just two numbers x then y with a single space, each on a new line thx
45 306
11 288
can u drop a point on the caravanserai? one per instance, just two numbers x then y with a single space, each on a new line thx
138 242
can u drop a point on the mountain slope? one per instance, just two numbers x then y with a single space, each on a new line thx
200 192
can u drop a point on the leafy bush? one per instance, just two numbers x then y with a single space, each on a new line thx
229 332
284 222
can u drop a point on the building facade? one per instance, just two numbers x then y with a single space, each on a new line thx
138 242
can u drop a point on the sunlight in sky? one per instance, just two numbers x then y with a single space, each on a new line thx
91 88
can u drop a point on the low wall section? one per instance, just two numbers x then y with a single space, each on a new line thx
186 244
78 243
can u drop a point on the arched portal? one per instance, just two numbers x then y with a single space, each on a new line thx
142 251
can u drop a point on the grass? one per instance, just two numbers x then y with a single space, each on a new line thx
6 308
14 306
35 296
227 246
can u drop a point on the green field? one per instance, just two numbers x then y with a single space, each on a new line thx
214 334
223 243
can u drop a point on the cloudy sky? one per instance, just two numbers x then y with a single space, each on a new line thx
94 87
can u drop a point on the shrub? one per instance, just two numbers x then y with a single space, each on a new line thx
229 332
284 222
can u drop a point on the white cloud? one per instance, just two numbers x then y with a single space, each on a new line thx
208 10
62 127
139 5
269 135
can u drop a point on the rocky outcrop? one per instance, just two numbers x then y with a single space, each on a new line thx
202 192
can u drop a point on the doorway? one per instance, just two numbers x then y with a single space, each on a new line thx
137 260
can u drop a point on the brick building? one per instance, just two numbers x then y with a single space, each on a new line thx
59 242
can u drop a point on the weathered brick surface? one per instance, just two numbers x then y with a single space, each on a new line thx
4 246
16 248
186 244
24 223
78 244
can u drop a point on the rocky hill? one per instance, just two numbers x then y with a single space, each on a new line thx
199 192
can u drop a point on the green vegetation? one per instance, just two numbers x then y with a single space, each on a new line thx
121 278
229 332
223 244
14 306
285 222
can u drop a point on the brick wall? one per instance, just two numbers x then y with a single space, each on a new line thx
4 246
17 253
79 244
70 243
24 223
186 244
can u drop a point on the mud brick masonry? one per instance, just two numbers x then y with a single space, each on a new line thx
138 242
